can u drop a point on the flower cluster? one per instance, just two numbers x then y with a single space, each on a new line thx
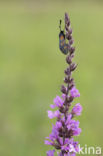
61 137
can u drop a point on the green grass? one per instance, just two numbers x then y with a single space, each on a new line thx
31 72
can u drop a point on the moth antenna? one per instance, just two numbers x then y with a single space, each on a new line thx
60 24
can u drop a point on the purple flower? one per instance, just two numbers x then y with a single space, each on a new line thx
53 136
63 96
73 126
77 131
73 154
58 102
50 153
65 148
57 114
50 114
76 146
58 125
60 154
74 92
69 145
68 119
77 109
54 114
48 142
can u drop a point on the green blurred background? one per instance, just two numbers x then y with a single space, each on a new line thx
31 71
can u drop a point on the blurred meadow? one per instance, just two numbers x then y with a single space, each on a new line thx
32 71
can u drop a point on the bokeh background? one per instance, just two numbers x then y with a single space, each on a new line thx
31 71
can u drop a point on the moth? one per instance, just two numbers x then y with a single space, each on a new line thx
63 46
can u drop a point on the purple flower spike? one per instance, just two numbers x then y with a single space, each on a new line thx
65 128
50 153
74 92
77 109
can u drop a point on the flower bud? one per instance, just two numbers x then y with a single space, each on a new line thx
67 20
66 80
66 27
71 86
71 41
71 80
67 71
70 31
72 49
68 23
69 59
69 99
69 37
73 66
63 89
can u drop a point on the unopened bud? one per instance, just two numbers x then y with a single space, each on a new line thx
71 41
70 31
66 80
71 86
70 99
67 71
63 89
73 66
69 60
69 37
72 49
